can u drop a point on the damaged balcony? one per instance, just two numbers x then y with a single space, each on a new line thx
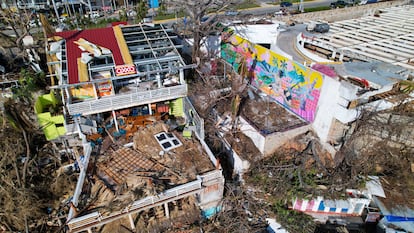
133 65
126 100
155 173
144 178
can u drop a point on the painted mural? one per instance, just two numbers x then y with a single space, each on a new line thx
292 84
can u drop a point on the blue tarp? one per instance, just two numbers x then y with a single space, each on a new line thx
391 218
208 213
154 4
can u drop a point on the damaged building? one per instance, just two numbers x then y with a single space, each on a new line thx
384 35
323 98
118 103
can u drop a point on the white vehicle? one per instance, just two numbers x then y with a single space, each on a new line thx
131 13
147 20
279 13
93 15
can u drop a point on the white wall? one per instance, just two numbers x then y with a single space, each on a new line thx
258 33
248 130
300 46
263 34
268 144
327 105
212 191
333 104
240 166
278 139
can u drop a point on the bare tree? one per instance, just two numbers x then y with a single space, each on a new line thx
241 213
19 24
18 198
201 19
24 187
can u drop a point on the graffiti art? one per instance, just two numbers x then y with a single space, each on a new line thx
288 82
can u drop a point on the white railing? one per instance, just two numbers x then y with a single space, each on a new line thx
167 195
197 120
301 39
212 175
127 100
94 219
83 165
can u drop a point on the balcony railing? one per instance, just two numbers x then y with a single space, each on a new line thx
96 218
121 101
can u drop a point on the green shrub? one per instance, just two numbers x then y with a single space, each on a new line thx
314 9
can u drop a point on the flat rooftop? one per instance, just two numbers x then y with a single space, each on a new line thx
261 32
379 73
387 36
267 116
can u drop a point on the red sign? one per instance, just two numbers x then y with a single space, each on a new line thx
125 70
113 24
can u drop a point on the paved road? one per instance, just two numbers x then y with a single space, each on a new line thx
286 41
266 9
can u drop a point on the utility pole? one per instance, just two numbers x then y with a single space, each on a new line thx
56 11
301 7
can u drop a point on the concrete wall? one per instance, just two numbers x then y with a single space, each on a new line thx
210 196
239 165
268 144
344 13
326 109
258 139
293 85
276 140
334 105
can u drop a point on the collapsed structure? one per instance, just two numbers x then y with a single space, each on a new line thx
118 89
120 98
328 98
384 36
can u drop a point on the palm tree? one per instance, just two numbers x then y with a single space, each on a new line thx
407 86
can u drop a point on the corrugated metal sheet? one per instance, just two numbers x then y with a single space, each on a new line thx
395 215
379 73
102 37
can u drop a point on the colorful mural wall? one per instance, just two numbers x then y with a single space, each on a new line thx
292 84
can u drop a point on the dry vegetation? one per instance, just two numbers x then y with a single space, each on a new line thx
380 144
30 183
30 190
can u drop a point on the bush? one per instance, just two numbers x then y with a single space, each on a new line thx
314 9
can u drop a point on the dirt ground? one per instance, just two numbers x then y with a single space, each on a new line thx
268 116
244 147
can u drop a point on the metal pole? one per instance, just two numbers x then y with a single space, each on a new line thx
131 221
167 211
90 8
115 120
301 7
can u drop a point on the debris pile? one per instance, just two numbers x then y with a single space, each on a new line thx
126 174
